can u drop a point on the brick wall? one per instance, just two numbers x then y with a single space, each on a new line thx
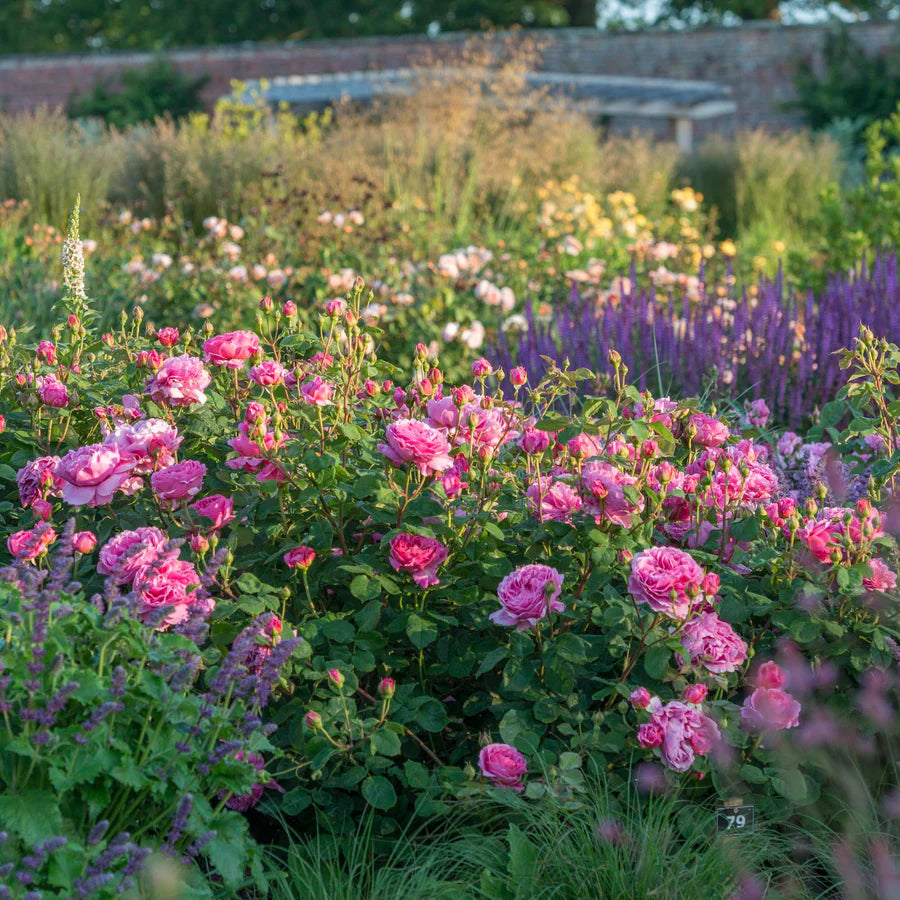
756 61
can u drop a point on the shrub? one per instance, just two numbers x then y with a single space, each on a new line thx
112 748
488 592
855 87
146 94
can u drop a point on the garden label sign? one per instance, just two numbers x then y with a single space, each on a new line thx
735 820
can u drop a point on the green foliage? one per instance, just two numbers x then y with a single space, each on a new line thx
855 87
106 733
145 95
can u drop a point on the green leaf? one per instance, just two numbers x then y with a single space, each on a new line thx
417 775
338 630
385 742
491 660
432 716
522 859
420 632
379 792
656 661
33 815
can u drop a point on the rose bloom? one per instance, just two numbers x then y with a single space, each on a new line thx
123 554
52 391
84 542
503 765
150 444
29 545
299 558
695 693
179 381
639 698
769 675
268 373
710 432
265 632
419 556
605 486
650 735
713 644
231 350
412 441
657 572
166 582
534 441
243 802
217 508
317 391
686 732
553 500
527 595
443 413
180 481
37 477
92 474
830 532
770 709
168 337
883 579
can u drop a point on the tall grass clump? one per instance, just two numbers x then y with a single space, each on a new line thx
766 187
42 154
595 845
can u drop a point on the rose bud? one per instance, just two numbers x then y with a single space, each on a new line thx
289 309
84 542
695 693
640 698
267 304
313 719
386 688
336 677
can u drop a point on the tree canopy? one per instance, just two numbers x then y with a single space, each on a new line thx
35 26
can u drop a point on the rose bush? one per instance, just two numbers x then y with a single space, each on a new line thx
637 547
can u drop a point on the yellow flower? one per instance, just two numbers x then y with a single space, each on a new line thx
778 247
728 248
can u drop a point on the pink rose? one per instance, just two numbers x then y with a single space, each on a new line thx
695 693
443 413
217 508
150 444
504 765
179 381
265 633
37 478
166 582
527 595
123 554
650 735
299 558
758 413
770 709
419 556
231 350
52 391
713 644
883 579
180 481
317 392
84 542
661 578
605 486
268 373
710 432
686 732
243 802
640 698
412 441
168 337
552 499
29 545
534 441
92 474
769 675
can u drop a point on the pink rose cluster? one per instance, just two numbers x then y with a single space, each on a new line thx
160 579
679 731
419 556
256 446
504 765
836 532
769 708
528 595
